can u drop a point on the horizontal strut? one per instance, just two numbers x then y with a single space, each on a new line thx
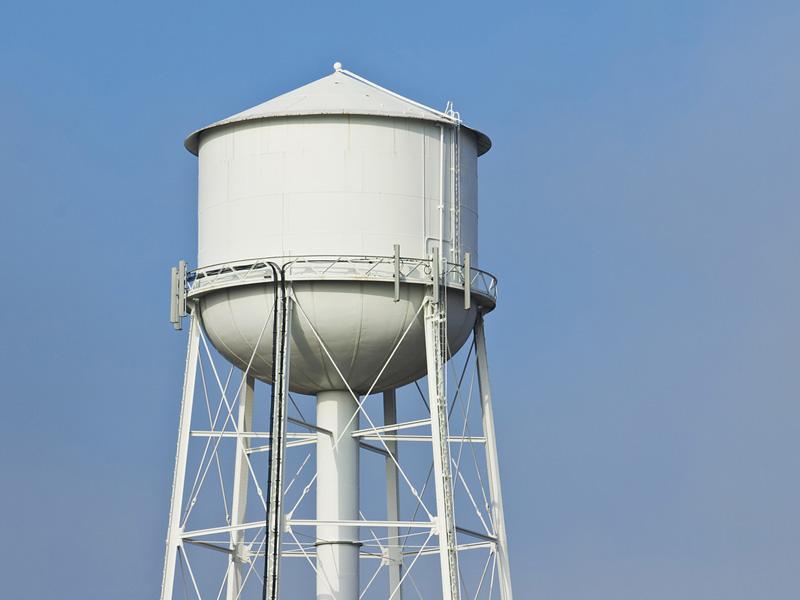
250 434
453 439
308 523
393 427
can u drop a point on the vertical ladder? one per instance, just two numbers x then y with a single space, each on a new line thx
436 353
277 444
455 185
456 204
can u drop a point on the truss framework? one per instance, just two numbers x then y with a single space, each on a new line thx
249 549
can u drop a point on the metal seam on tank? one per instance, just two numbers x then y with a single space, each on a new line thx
219 337
464 329
265 339
229 305
242 360
357 344
424 190
299 379
327 193
402 326
322 357
283 210
252 350
326 361
303 379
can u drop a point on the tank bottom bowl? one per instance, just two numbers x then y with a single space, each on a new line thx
359 324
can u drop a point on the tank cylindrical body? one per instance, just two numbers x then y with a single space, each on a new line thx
332 185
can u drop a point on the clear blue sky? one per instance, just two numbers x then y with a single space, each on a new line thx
641 206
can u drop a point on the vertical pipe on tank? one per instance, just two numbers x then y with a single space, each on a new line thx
440 257
337 497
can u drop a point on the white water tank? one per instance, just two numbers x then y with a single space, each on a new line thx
326 180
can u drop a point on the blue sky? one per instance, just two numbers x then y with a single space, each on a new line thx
640 206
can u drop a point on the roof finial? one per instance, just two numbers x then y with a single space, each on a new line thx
337 66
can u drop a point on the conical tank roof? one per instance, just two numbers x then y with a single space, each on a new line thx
340 93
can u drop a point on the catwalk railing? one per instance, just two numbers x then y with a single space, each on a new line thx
343 268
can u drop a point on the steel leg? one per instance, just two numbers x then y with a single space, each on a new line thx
434 347
394 551
174 529
492 463
241 477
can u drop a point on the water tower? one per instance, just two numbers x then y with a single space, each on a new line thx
337 258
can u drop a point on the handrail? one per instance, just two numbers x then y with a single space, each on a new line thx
339 268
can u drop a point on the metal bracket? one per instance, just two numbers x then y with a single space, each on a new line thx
397 272
435 274
242 554
177 304
467 282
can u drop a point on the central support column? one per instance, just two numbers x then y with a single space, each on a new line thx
337 497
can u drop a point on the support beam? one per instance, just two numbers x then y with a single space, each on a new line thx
492 463
174 530
394 553
391 426
353 523
251 434
307 426
241 475
304 441
453 439
435 331
337 526
374 449
337 497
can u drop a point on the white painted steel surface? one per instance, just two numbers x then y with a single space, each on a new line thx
337 496
437 397
493 464
338 167
326 182
346 268
340 93
330 185
360 324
